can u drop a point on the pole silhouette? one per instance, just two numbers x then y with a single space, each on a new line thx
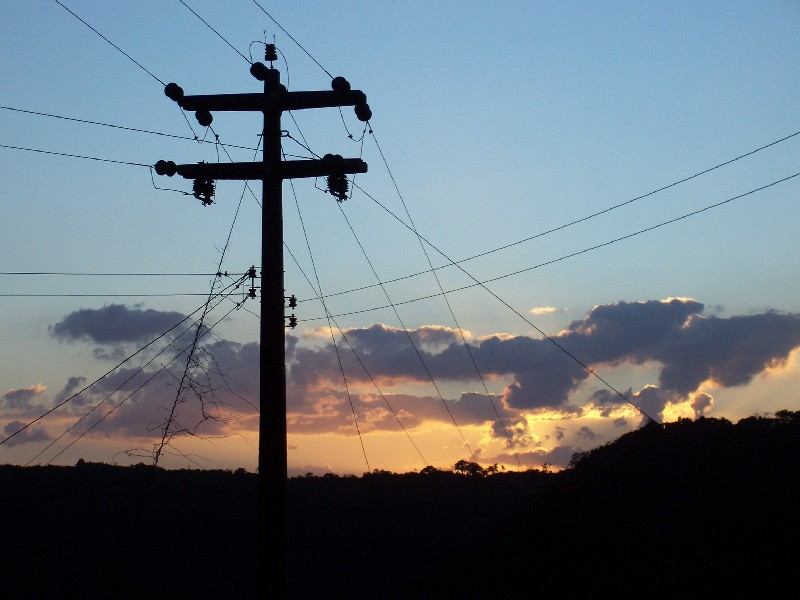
275 99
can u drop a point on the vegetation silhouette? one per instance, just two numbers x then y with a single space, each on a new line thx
702 508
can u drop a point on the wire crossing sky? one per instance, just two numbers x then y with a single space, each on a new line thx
620 178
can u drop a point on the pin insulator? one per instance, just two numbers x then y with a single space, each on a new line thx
259 71
292 321
251 293
292 301
270 53
251 272
173 91
363 112
204 117
338 186
340 84
166 167
203 190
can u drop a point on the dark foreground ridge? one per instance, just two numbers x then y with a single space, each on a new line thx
692 509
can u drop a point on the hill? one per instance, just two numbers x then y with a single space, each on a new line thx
690 509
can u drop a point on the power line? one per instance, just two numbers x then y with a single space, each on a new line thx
86 274
555 229
358 358
106 399
215 31
119 404
537 266
128 56
106 374
446 299
333 339
299 45
142 295
122 127
121 162
408 335
550 338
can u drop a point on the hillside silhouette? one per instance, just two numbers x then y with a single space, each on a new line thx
691 509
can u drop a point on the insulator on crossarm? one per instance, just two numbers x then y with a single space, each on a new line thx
203 190
363 112
166 167
259 71
204 117
173 91
340 85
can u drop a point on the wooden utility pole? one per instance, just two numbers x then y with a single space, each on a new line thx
272 456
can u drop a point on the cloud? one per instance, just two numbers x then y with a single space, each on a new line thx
218 398
544 310
73 385
31 434
701 404
114 324
20 399
513 431
689 347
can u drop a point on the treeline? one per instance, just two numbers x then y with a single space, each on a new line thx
694 508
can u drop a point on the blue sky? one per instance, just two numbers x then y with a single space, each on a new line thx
498 122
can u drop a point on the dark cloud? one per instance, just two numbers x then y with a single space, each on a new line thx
701 403
219 396
31 434
690 347
72 386
114 324
513 431
729 351
587 433
558 457
20 399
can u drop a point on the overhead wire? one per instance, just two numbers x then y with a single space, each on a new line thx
131 394
207 24
138 164
108 160
121 127
128 56
477 283
478 372
560 227
58 405
358 358
109 396
550 338
110 274
299 45
333 338
408 335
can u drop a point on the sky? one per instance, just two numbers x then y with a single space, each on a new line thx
607 193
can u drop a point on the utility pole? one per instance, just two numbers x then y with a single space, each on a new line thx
272 454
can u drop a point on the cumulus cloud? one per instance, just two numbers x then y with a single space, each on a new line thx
31 434
689 347
20 399
114 324
701 404
543 310
674 335
73 385
220 398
